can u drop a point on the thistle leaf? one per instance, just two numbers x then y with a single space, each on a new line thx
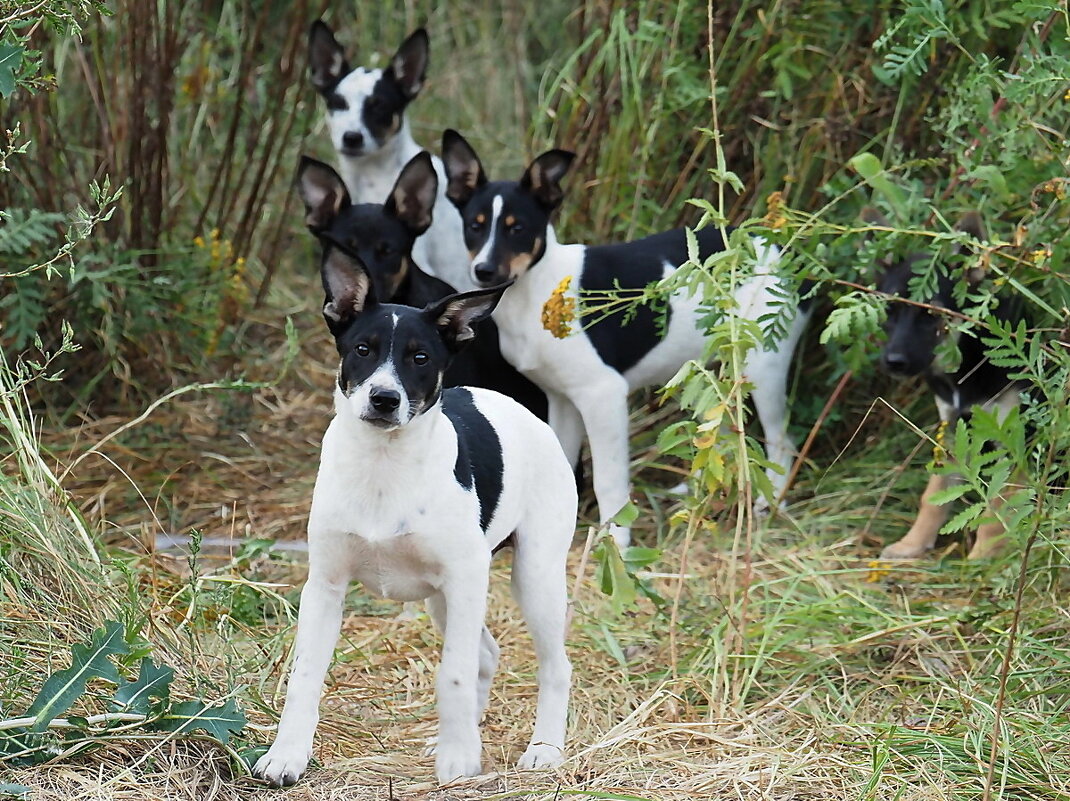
89 661
218 721
152 682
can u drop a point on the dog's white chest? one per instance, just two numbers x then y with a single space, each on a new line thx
399 567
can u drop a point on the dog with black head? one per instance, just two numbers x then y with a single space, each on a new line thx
381 236
588 375
417 486
915 328
366 119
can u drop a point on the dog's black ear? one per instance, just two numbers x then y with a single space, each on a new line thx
323 192
413 196
409 64
327 63
543 177
972 224
872 216
348 287
456 316
464 172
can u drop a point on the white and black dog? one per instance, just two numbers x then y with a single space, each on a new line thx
587 377
381 236
366 119
417 486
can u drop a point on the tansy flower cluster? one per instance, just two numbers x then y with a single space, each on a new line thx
559 311
235 292
774 216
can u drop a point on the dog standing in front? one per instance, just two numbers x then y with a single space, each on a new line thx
417 487
914 331
369 131
587 376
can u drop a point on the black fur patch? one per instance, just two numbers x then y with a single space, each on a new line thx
624 337
914 333
479 452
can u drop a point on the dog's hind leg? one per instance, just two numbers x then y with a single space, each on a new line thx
540 590
768 372
319 621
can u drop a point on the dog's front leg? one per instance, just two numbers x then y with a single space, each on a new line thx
464 601
604 408
318 623
567 424
922 535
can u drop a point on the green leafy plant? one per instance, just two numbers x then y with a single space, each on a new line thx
143 703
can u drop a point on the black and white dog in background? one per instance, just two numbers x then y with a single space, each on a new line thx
587 376
914 331
381 237
369 131
417 486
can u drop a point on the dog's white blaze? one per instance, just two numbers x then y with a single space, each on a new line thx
354 89
488 246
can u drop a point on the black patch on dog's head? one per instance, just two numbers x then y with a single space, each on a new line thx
505 222
914 331
379 236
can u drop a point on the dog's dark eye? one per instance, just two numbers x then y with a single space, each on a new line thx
384 249
475 225
516 228
420 358
372 103
362 349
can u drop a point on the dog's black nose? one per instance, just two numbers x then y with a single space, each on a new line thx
354 140
897 362
484 273
385 400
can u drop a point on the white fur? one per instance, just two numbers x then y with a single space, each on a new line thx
586 395
371 176
387 511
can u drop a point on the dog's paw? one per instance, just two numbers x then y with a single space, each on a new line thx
621 535
281 767
902 550
681 490
541 755
454 761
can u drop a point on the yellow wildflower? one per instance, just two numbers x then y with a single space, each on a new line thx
939 451
774 215
877 571
559 311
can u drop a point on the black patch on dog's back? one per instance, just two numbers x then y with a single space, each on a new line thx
479 452
623 338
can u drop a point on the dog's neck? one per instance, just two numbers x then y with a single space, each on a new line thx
371 177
